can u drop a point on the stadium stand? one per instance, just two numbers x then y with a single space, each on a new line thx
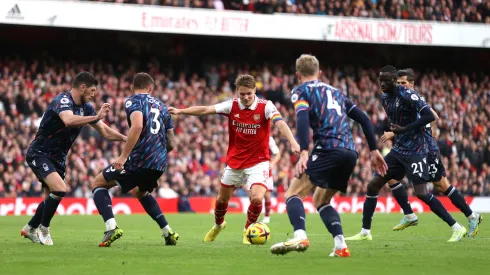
474 11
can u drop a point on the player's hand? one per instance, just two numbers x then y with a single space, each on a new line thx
119 164
378 162
104 110
397 129
387 136
173 111
295 147
301 164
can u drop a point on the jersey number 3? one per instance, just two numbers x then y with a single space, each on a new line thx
156 129
332 103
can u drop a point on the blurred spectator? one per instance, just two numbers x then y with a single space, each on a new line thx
472 11
195 165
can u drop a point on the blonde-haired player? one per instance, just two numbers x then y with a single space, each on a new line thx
248 155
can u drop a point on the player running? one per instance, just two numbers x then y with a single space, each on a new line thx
143 160
274 151
408 115
46 156
326 110
437 173
248 152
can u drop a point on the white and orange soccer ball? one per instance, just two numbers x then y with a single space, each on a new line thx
258 233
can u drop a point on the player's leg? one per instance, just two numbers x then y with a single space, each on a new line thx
457 199
267 206
401 197
153 210
442 185
436 206
396 171
220 207
103 202
229 180
57 189
50 175
331 219
298 189
29 230
368 209
256 180
257 194
340 164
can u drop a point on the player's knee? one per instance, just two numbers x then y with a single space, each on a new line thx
392 182
141 194
420 191
57 194
441 186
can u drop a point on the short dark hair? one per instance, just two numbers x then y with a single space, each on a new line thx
142 81
408 72
388 69
84 78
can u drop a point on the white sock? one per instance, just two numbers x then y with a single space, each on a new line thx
300 234
411 216
472 216
365 232
110 224
217 225
456 226
339 242
165 230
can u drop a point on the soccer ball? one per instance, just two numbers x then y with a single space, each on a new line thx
258 233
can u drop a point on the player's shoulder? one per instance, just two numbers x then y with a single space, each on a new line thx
408 93
263 101
132 100
64 98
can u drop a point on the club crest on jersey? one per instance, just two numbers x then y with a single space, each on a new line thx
294 98
81 112
128 104
64 100
45 167
257 117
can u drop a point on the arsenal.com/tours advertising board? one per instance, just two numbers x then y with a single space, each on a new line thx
241 24
82 206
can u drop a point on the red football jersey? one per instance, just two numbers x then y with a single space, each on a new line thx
249 131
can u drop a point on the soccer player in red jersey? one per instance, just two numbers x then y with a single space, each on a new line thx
248 155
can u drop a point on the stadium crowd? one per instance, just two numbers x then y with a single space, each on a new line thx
474 11
462 102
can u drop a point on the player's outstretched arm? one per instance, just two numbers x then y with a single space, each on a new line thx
133 136
71 120
193 111
107 132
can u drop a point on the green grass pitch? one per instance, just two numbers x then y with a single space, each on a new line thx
416 250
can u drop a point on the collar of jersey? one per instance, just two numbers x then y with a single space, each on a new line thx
74 104
252 107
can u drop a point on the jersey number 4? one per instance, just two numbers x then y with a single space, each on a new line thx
155 119
332 103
